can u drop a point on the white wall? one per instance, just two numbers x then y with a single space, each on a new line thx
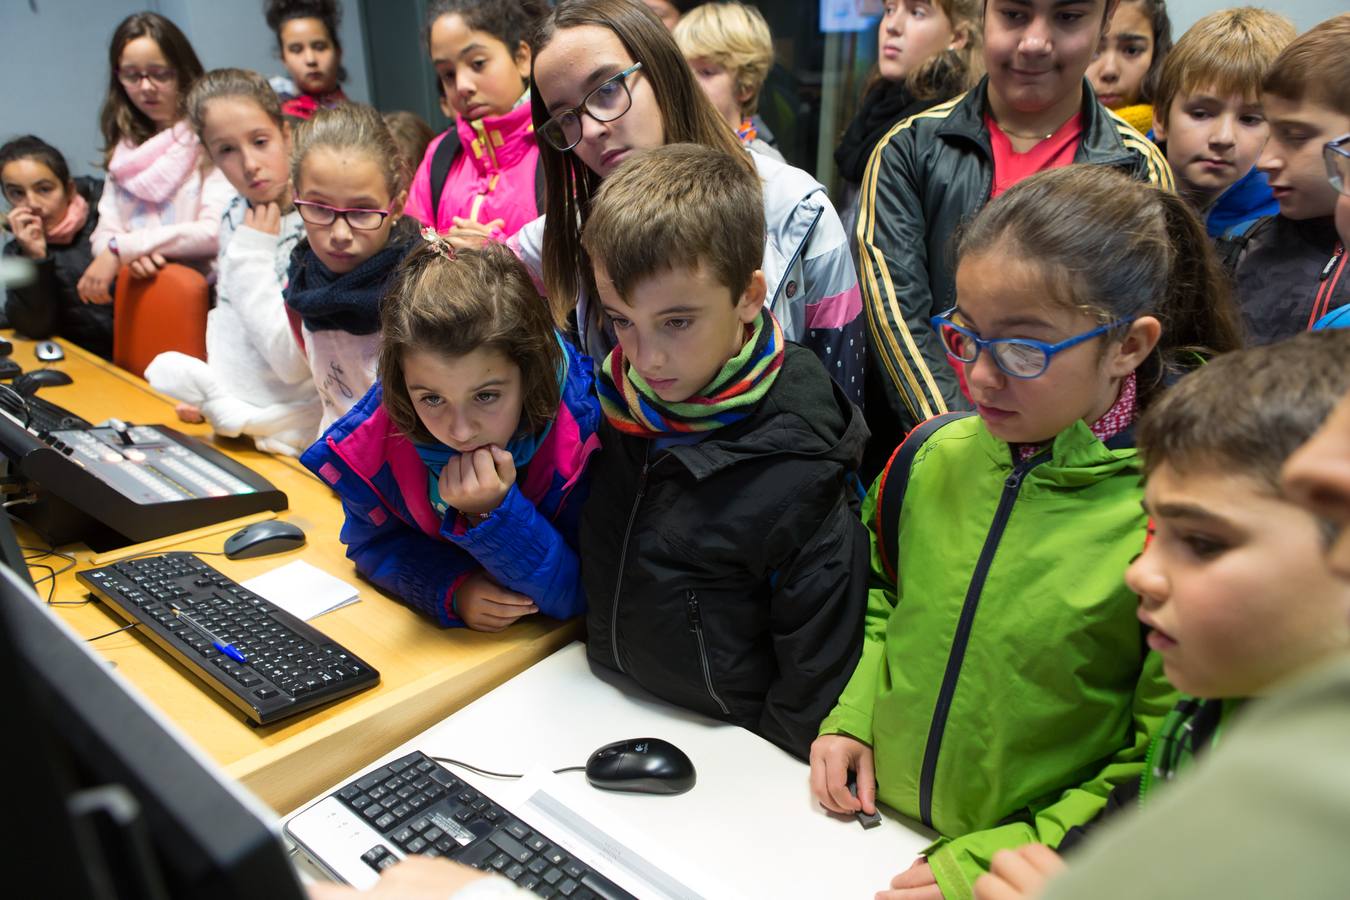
54 62
1304 13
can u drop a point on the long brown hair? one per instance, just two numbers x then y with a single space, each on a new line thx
120 119
687 116
1118 249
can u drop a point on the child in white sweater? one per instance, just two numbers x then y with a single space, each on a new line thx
256 380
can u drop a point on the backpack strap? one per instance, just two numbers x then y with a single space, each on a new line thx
1230 245
894 481
445 154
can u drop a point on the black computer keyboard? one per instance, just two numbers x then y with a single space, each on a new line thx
287 665
419 805
45 416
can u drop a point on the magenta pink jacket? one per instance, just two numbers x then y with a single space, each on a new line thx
492 177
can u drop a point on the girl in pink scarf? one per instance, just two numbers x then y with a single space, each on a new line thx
51 219
162 200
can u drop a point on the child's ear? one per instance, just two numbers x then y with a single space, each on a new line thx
522 60
1159 126
752 299
960 36
286 133
1130 353
396 208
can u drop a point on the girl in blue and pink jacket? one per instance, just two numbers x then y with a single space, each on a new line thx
462 471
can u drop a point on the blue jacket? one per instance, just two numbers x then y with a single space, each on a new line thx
400 543
1246 199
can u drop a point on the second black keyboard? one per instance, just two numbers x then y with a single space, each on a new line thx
288 665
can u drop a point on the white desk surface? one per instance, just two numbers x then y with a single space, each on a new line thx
748 828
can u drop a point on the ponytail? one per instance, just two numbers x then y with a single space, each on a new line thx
1198 315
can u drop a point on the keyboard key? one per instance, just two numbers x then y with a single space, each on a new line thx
432 835
477 854
568 887
402 837
350 792
510 846
417 845
536 843
500 861
538 865
575 869
514 871
518 830
555 856
603 887
528 882
385 821
421 825
373 812
553 876
360 802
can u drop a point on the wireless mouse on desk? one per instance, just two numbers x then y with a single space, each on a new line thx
641 765
263 538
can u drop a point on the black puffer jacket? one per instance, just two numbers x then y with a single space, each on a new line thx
729 576
1290 274
49 305
930 173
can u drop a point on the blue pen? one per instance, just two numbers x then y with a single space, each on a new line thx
228 649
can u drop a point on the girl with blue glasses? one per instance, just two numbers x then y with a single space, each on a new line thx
1004 684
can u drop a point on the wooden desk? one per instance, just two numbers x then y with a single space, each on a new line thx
427 672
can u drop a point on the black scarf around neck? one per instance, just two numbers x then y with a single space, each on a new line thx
327 301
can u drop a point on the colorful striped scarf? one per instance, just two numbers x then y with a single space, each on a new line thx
634 408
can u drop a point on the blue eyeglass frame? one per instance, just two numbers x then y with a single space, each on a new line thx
1048 351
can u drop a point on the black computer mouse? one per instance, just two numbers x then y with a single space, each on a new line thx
28 383
641 765
48 351
263 538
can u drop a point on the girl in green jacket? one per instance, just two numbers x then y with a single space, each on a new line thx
1004 686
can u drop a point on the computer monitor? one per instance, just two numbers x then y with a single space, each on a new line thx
109 801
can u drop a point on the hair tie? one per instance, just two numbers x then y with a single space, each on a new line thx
438 243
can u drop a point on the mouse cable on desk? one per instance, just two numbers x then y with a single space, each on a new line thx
491 774
42 553
99 637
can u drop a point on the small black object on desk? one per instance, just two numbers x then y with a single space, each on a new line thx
263 538
641 765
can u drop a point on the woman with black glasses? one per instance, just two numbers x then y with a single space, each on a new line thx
609 81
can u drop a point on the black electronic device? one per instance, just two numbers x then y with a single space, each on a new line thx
110 487
264 538
258 657
9 368
28 383
115 803
415 805
641 765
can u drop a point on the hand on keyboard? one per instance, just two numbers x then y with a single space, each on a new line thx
415 878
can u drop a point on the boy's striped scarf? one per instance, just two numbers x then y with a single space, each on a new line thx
634 408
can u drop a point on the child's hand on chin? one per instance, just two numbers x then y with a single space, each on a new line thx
485 605
1018 874
475 483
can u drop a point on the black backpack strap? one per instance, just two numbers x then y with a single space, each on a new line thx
539 195
1230 245
445 154
894 481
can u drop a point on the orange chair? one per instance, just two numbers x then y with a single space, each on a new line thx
151 315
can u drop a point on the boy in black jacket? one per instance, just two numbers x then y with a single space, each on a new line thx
1292 270
722 554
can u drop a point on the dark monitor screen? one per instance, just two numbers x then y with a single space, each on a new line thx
109 800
